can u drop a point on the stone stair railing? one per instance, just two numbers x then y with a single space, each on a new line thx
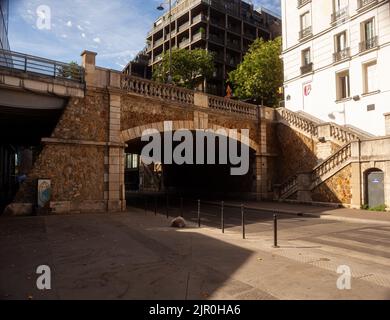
289 187
298 121
328 166
154 89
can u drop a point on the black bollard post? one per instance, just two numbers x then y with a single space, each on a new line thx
146 205
222 218
155 205
243 221
181 207
167 208
276 231
199 213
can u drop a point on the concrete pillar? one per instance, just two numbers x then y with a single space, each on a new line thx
261 185
357 183
324 147
387 123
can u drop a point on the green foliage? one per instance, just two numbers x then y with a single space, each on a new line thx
260 75
188 67
70 71
381 208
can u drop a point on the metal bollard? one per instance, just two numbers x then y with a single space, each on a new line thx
199 213
146 205
155 205
243 221
167 208
181 207
275 231
222 218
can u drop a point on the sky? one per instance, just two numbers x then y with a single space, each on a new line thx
115 29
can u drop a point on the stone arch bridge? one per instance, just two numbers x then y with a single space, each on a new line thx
293 157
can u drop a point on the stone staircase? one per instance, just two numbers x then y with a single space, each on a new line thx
322 133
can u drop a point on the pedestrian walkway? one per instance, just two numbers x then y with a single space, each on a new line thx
323 212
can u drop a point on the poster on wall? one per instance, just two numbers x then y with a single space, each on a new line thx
44 192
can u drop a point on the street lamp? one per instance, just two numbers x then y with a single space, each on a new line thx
161 8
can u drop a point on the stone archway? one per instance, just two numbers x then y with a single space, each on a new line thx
136 132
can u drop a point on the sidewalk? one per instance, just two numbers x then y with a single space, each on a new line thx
329 213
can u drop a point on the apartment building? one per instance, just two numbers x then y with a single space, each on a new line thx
336 60
223 27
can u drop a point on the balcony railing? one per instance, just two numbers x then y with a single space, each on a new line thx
216 39
184 26
199 18
233 45
307 68
363 3
301 3
304 33
158 42
199 36
368 44
340 14
41 66
184 43
341 54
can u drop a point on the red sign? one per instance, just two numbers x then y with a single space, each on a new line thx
307 90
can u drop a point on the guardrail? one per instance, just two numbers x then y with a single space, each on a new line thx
232 106
41 66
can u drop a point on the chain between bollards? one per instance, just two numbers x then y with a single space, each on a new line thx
243 221
222 218
199 213
275 231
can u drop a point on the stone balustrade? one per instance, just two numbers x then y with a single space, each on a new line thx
232 106
332 162
288 186
157 90
298 121
173 93
341 134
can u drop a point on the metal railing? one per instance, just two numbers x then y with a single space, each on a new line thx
363 3
307 68
341 54
41 66
368 44
302 2
340 14
307 32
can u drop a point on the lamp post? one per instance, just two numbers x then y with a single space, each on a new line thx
161 8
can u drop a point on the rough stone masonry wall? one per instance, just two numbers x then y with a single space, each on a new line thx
297 153
76 169
138 111
336 189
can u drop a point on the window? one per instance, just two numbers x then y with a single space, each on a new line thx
341 41
306 60
369 40
305 20
339 5
370 77
132 161
342 85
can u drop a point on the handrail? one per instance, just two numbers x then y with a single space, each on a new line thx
299 121
37 65
233 106
289 185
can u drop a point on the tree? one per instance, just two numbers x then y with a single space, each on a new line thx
70 71
260 75
188 67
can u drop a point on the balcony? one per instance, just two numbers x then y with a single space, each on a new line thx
364 3
184 43
301 3
158 42
234 45
341 55
199 18
340 15
214 38
184 26
305 33
199 36
158 58
307 68
368 44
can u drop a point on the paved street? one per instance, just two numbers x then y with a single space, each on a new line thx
136 255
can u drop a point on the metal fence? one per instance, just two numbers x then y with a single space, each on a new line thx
41 66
